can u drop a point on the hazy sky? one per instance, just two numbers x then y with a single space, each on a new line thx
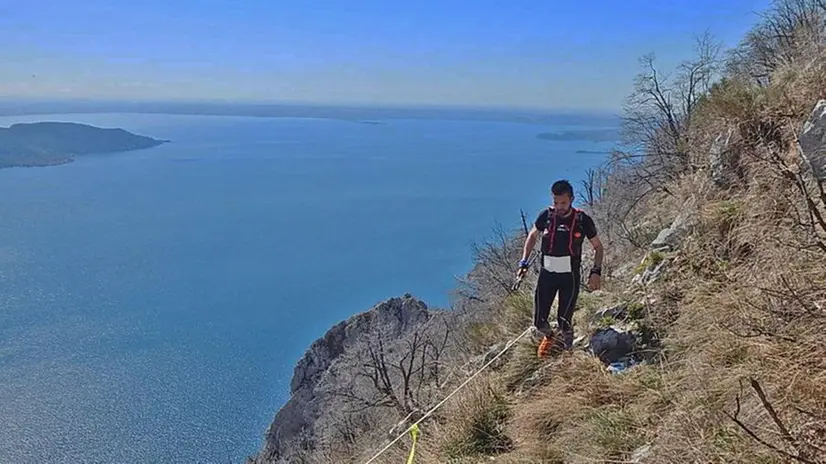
542 53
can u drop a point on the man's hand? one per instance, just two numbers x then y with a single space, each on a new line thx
523 268
594 282
520 273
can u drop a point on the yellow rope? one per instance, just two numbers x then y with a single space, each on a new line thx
414 432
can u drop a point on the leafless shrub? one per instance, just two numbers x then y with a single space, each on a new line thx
787 32
795 449
658 116
396 374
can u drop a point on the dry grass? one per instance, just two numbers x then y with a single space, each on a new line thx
743 378
477 428
583 414
749 312
468 428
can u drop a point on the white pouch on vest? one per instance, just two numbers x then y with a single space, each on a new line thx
556 263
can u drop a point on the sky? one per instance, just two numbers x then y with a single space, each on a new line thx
540 54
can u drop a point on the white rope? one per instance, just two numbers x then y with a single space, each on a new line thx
434 408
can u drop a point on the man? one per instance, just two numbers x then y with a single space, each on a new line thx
563 229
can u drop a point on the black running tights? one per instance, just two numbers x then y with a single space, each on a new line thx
549 283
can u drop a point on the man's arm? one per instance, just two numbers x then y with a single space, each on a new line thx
530 243
595 276
533 235
591 233
598 251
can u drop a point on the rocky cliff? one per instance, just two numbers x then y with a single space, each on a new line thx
302 421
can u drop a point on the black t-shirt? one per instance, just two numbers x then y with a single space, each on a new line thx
562 243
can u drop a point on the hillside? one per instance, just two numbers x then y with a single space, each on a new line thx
51 143
706 342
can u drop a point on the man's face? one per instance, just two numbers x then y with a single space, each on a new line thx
562 204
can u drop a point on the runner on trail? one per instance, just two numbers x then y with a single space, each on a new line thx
563 229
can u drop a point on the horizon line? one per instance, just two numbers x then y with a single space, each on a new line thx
54 100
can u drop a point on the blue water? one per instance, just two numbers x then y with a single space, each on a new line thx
154 303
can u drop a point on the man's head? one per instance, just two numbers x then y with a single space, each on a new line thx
563 194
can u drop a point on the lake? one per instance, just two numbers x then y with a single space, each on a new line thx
153 303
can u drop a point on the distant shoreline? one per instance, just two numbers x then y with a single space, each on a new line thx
590 135
40 164
362 114
593 152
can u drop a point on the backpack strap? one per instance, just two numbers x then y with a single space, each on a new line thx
551 228
572 232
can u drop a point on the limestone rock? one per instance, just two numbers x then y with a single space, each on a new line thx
671 237
639 454
492 352
615 312
489 355
650 274
722 159
813 141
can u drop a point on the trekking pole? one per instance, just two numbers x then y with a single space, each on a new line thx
522 273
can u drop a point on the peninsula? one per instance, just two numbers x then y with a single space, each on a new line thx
53 143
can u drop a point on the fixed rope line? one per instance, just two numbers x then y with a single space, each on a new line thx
434 408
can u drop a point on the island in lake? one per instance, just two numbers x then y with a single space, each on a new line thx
53 143
593 152
593 135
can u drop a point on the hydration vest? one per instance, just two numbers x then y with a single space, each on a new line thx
575 234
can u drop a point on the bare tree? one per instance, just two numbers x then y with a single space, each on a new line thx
398 374
656 138
622 194
659 112
592 186
786 33
495 261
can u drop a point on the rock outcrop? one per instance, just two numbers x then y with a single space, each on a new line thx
723 160
297 423
671 237
651 269
813 141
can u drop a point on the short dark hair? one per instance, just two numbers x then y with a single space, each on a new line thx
562 186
